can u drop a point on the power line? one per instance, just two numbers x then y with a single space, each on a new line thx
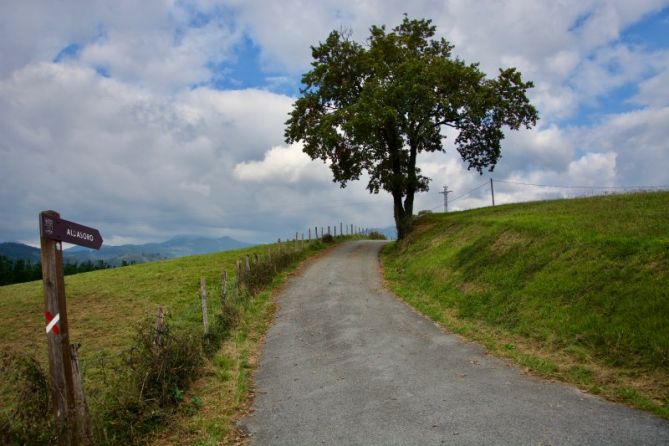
468 193
461 196
445 193
582 187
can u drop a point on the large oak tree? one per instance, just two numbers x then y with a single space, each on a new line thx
374 107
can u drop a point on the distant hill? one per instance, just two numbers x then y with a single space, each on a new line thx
390 232
19 251
178 246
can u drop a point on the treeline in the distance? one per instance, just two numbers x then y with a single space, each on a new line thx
19 270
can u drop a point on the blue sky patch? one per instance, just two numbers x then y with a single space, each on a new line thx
580 21
102 71
70 52
652 32
246 71
614 101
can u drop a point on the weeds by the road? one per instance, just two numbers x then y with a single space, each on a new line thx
135 372
574 290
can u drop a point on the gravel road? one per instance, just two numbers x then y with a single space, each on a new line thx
347 363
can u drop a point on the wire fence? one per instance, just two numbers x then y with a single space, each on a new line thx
496 192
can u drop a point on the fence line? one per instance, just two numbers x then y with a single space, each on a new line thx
253 272
506 191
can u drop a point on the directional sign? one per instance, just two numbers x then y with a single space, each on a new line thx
70 232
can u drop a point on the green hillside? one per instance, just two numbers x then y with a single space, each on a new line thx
572 289
107 308
104 306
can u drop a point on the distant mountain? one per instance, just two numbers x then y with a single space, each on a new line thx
16 251
178 246
390 232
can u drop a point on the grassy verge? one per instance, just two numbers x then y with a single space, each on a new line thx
225 391
106 308
574 290
216 400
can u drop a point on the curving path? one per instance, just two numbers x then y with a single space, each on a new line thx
347 363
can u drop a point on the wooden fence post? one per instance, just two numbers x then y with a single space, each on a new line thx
83 434
341 229
203 296
309 234
248 278
160 327
238 279
224 287
57 331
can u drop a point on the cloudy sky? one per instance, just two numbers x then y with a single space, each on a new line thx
161 117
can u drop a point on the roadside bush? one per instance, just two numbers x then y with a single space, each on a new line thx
327 238
376 235
149 378
134 392
223 322
26 416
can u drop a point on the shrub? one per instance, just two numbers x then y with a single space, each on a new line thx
26 415
327 238
149 379
376 235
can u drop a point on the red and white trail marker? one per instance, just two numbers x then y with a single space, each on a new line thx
52 322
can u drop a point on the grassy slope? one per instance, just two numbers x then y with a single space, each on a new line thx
573 289
105 306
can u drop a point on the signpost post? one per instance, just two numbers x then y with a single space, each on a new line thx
53 231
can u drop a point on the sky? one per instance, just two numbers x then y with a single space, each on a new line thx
156 118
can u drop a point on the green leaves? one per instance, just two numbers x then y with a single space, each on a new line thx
374 108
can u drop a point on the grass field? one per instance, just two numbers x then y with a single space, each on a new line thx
576 290
104 306
105 309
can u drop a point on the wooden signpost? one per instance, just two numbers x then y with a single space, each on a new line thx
68 399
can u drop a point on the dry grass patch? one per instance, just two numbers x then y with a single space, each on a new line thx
506 241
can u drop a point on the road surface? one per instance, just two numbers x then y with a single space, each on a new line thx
347 363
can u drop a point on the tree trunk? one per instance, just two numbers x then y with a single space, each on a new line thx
402 216
404 211
400 185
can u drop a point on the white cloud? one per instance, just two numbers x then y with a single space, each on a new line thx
283 164
80 143
150 43
654 91
593 169
641 141
145 155
539 148
142 166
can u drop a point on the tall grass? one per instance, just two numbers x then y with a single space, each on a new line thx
588 276
132 379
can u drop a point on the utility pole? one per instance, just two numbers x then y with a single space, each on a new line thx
445 194
492 192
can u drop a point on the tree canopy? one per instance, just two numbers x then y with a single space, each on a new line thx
373 108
